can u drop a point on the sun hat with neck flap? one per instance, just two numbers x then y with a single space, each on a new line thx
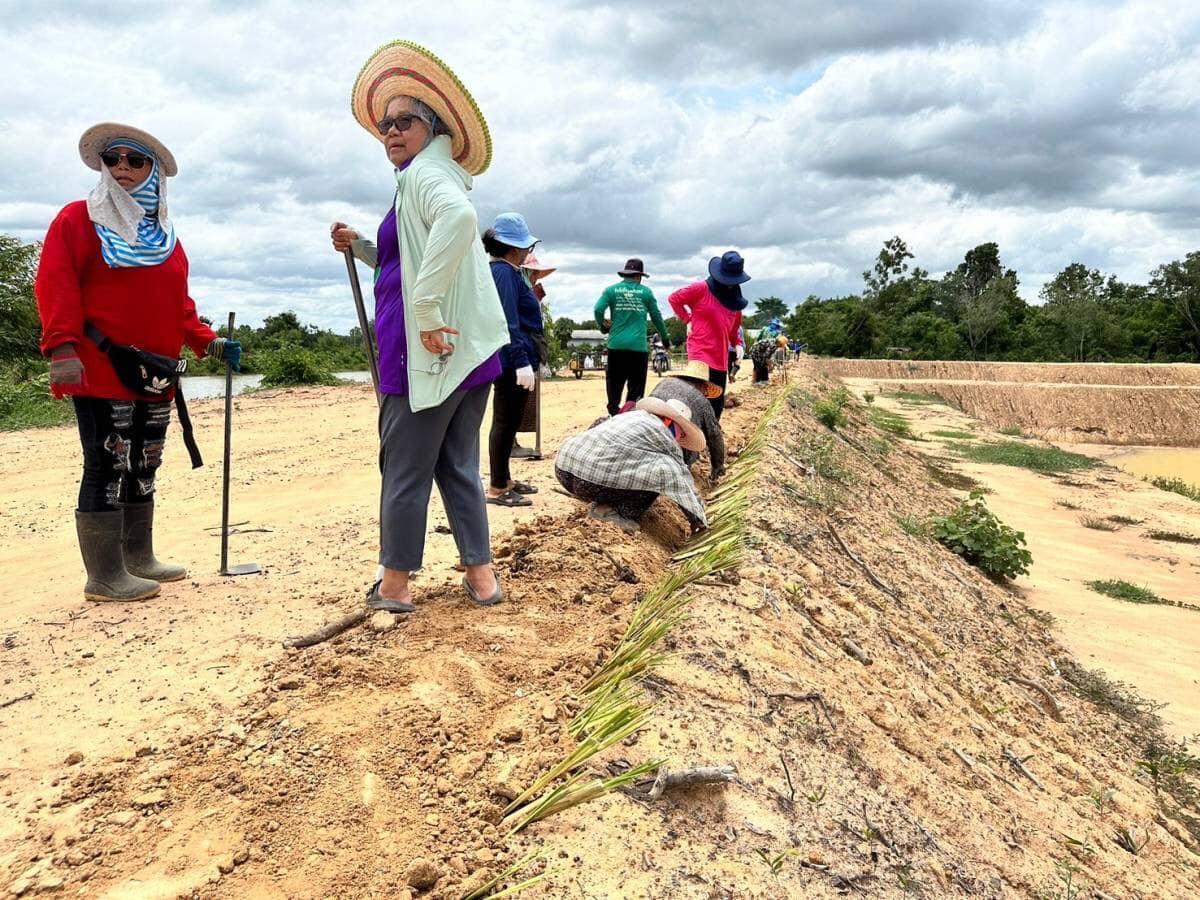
96 139
403 68
690 436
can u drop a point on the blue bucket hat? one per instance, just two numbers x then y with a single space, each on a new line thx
728 268
511 229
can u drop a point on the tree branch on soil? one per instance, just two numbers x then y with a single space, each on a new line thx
856 651
1019 764
331 630
813 697
871 576
804 470
8 703
1055 709
666 781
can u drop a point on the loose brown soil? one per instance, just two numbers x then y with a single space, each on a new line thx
379 761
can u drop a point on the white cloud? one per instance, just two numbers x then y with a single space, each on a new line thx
802 133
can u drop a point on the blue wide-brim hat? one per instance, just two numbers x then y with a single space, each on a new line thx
511 229
729 268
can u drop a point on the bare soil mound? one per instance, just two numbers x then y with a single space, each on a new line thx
899 725
1126 374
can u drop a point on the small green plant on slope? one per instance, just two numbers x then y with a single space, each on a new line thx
912 526
1126 837
891 423
974 533
830 409
917 399
1125 520
868 397
1097 524
774 861
1177 486
1123 590
1175 537
1012 431
955 435
1048 460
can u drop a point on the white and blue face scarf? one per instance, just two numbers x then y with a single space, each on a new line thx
133 226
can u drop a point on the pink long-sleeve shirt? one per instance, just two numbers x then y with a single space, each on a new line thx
714 327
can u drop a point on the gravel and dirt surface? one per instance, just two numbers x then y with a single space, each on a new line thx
871 690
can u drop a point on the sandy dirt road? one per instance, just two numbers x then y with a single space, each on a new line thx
1154 648
108 680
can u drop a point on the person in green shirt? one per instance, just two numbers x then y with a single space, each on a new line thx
628 302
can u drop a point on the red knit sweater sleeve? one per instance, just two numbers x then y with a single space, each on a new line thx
196 334
56 285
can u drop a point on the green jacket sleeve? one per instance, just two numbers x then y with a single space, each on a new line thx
602 306
656 316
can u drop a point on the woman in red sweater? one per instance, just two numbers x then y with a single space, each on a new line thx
112 262
712 310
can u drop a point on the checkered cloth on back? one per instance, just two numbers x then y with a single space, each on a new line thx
632 451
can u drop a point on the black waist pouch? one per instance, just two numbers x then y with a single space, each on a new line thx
150 376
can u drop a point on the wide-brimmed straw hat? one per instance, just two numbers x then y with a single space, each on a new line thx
96 138
676 410
696 370
405 68
531 263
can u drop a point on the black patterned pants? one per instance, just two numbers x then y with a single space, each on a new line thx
122 444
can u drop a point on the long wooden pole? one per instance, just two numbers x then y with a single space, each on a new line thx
228 447
363 325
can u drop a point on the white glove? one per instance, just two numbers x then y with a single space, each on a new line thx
525 377
741 352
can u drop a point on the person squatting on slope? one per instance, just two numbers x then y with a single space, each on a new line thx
712 310
112 270
628 302
761 354
438 321
694 390
508 242
624 463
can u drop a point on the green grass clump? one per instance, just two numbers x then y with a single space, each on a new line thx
1125 520
912 526
956 435
1098 524
1025 456
25 402
1013 431
1123 590
295 366
1177 486
975 533
830 409
918 399
891 422
1175 537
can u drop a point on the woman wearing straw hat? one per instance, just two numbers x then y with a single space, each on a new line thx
692 388
113 274
438 321
508 242
712 310
624 463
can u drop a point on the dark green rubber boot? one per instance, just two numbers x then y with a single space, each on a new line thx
139 545
100 546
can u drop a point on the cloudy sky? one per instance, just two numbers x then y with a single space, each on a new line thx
802 133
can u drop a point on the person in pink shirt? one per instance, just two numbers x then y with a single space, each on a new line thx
712 311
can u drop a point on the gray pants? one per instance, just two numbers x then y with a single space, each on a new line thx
415 449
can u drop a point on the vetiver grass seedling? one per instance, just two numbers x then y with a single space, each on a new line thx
830 409
1025 456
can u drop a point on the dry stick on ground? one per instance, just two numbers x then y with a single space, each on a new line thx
978 593
333 629
1055 710
814 698
856 651
623 572
804 470
1019 764
787 773
666 780
8 703
871 576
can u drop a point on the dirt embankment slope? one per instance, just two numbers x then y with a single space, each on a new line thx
1130 375
1109 404
866 684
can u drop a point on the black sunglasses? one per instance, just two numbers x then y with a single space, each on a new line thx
402 123
135 160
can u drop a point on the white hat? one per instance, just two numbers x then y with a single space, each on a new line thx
677 411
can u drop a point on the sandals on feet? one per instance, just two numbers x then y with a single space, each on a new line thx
483 601
523 487
375 600
509 498
608 514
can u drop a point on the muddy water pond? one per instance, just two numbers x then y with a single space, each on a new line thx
1173 462
205 387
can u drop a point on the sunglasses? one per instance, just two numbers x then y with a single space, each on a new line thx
401 123
135 160
438 365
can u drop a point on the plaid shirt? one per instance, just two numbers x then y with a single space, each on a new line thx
632 452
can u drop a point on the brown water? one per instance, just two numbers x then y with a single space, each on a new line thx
1174 462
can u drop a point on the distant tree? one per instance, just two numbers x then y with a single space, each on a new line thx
982 297
1178 285
20 326
766 309
891 265
677 330
1073 303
